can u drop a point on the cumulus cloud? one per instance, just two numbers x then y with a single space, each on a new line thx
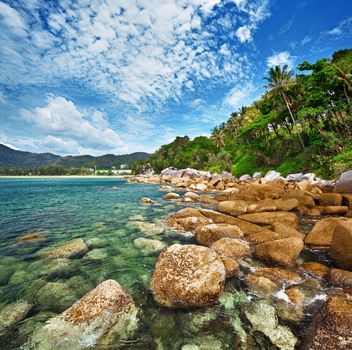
11 19
280 59
63 122
239 96
244 34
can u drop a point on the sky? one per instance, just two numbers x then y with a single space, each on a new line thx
120 76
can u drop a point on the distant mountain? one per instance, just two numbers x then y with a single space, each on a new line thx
10 158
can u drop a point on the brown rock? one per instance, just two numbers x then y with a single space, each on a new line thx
301 198
271 217
146 200
322 232
286 231
234 208
315 269
341 210
171 195
341 278
282 251
186 212
264 205
295 295
331 329
261 286
341 245
191 195
286 204
330 199
31 237
231 248
278 275
191 223
347 200
208 234
231 266
72 249
204 198
188 276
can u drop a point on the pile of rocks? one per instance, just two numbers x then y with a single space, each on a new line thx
261 219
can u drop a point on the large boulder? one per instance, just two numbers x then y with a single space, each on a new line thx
341 278
331 328
330 199
234 208
208 234
315 269
269 218
344 183
72 249
272 175
322 232
286 231
188 276
105 315
341 245
282 251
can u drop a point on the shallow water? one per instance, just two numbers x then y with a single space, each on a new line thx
107 214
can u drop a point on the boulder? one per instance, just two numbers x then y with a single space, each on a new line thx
341 278
231 266
269 218
331 328
72 249
286 231
146 200
315 269
262 316
272 175
191 195
286 204
208 234
245 177
234 208
347 200
295 295
334 210
149 228
341 244
171 195
231 248
191 223
12 314
302 199
188 276
322 232
278 275
149 246
282 251
330 199
344 183
257 175
260 285
31 237
264 205
204 198
105 315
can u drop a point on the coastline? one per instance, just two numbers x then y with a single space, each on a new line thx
66 176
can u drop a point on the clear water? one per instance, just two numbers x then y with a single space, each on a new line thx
103 212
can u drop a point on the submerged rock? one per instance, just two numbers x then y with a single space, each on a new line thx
282 251
72 249
97 254
149 228
31 237
11 314
146 200
105 315
188 276
262 316
149 246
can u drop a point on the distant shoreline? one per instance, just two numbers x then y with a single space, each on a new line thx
66 176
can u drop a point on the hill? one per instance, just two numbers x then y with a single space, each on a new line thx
10 158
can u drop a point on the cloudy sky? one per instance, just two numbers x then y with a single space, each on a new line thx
118 76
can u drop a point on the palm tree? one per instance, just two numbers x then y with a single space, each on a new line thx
218 137
279 79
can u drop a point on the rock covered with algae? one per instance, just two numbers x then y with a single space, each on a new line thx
188 276
105 315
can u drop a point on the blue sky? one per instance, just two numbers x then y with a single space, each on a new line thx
118 76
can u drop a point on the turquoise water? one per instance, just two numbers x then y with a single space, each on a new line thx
107 214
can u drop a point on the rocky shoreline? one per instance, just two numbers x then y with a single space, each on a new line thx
259 217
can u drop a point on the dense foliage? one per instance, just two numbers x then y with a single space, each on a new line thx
301 123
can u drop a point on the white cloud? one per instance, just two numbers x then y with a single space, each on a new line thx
60 118
306 40
342 29
239 95
12 19
244 34
3 99
280 59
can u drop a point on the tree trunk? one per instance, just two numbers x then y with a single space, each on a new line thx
292 117
347 97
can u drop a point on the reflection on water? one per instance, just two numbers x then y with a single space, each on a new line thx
37 214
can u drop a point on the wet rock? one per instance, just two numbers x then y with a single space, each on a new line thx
98 254
72 249
205 342
341 245
234 208
95 242
190 223
290 312
171 195
187 276
278 275
341 278
194 197
149 246
231 248
208 234
231 266
53 268
204 198
322 232
286 231
11 314
105 315
295 295
344 183
31 237
146 200
282 251
271 217
315 269
330 199
331 328
166 188
260 285
195 321
262 316
163 324
149 228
